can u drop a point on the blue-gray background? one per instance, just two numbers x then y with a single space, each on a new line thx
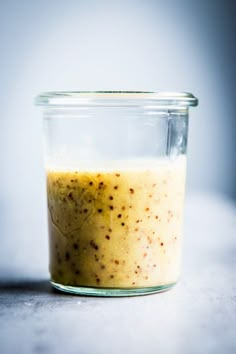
117 45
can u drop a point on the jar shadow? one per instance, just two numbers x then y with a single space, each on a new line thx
25 286
37 288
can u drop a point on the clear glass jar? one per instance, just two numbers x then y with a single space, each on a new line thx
115 166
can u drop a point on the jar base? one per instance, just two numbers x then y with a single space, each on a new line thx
111 292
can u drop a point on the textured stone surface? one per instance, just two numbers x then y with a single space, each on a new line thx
197 316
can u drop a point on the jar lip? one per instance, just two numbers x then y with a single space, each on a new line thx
115 98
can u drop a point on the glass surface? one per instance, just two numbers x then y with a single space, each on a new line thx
112 292
115 170
112 98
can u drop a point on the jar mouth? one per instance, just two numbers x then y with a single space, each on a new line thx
115 98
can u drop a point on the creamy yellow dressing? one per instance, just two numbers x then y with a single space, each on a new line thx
116 227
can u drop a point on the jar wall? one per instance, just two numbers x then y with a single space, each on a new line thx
120 133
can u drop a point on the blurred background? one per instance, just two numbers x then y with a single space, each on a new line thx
110 45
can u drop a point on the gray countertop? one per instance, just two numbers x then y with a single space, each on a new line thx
197 316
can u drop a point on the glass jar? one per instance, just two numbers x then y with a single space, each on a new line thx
115 166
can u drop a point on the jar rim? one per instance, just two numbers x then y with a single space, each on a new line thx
115 98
